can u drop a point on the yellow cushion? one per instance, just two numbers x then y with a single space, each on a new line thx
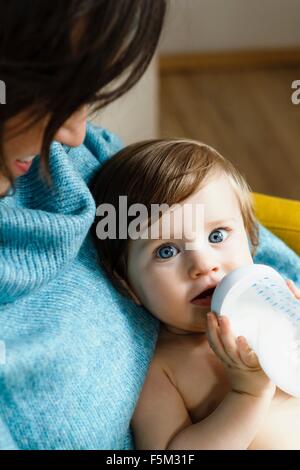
281 216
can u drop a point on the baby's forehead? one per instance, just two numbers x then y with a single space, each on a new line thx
212 204
216 199
218 189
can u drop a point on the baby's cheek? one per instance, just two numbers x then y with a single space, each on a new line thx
159 296
237 254
151 292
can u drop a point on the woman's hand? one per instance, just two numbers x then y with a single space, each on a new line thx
294 289
241 363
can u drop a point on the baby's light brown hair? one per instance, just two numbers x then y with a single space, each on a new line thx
165 171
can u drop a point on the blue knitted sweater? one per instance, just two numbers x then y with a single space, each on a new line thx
76 351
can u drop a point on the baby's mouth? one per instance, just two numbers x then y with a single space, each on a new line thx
204 299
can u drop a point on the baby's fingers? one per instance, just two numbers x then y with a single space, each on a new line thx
247 354
293 288
228 340
214 339
213 335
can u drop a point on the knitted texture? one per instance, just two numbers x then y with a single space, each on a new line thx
76 351
275 253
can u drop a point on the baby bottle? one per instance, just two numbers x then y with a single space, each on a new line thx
261 307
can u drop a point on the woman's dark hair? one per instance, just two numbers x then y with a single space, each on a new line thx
57 56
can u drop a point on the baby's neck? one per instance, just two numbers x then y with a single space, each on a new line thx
172 330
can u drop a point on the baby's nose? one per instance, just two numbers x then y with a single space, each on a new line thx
201 264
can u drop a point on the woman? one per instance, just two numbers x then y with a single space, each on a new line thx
75 358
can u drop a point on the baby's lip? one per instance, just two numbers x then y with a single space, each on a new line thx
204 297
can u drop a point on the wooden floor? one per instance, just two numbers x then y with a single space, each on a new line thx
248 116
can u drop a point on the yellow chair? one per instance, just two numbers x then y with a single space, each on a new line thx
280 216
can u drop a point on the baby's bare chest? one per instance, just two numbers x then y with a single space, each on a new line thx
199 376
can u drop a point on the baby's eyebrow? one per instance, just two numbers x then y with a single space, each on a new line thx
148 243
220 222
144 242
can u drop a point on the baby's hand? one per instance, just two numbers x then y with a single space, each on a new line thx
293 289
240 361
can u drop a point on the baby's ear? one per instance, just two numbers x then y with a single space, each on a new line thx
130 292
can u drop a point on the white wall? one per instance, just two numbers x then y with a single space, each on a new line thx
216 25
135 115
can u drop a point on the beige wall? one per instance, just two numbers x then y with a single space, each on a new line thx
134 116
216 25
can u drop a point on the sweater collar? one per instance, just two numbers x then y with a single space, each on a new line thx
42 227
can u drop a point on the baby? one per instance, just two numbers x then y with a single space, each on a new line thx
205 388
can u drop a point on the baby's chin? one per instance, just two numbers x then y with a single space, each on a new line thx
197 326
201 309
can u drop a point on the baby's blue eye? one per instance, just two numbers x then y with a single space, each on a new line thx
166 252
218 236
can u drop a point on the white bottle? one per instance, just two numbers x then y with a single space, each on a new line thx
261 307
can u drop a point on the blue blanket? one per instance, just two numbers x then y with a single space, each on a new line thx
76 351
275 253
